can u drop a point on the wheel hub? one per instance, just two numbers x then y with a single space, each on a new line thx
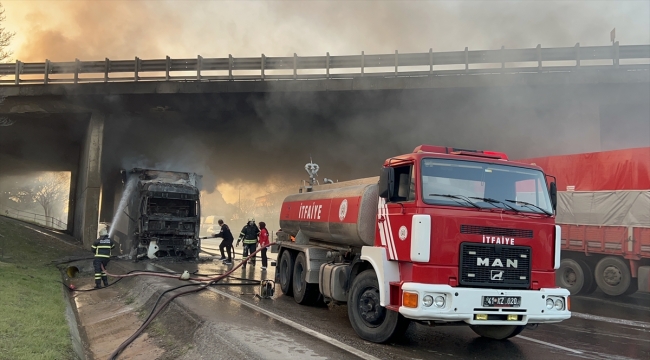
570 277
612 275
369 308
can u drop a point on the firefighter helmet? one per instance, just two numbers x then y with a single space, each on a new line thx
103 232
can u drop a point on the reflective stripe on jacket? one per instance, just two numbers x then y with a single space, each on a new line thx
249 234
103 247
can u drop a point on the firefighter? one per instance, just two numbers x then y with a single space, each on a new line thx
102 248
264 241
226 243
248 236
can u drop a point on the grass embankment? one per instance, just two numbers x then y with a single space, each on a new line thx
32 308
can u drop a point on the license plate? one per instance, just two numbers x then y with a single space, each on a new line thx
501 301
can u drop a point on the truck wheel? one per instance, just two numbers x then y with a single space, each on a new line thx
286 272
590 286
497 332
370 320
614 278
575 276
303 292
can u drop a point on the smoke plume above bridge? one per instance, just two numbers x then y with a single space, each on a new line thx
92 30
256 138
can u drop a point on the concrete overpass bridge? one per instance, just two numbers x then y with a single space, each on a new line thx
577 98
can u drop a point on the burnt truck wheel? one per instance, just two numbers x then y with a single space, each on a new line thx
497 332
369 319
286 272
614 278
303 292
575 276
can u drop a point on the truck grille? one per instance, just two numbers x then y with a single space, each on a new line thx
485 230
498 266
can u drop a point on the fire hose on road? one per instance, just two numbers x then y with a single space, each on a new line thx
201 283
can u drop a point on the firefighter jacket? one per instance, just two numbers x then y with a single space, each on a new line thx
249 234
225 233
103 246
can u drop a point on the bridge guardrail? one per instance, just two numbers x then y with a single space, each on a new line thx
162 69
39 219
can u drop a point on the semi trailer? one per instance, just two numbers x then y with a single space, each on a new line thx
442 237
158 214
604 212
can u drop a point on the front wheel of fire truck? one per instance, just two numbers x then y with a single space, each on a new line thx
370 320
497 332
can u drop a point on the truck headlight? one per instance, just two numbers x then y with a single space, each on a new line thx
427 300
549 303
559 304
440 301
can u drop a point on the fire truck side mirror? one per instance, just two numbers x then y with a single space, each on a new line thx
386 182
553 193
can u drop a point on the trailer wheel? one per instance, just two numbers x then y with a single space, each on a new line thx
286 272
614 278
575 276
303 292
497 332
589 274
370 320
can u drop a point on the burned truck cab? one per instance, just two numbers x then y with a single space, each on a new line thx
163 215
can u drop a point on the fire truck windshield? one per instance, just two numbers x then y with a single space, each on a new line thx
484 185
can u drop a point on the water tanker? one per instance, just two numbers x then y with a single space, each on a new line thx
443 236
343 216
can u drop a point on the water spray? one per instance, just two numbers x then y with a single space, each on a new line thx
119 212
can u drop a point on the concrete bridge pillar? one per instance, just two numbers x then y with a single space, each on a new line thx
88 186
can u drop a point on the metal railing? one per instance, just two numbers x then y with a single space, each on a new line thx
39 219
510 61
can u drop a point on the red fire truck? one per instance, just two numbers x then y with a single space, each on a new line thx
442 236
604 212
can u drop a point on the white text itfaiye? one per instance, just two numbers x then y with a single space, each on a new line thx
502 240
310 212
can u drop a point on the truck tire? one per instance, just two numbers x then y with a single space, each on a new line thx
371 321
497 332
589 274
614 278
303 292
286 272
575 276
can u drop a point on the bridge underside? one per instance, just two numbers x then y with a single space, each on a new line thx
249 130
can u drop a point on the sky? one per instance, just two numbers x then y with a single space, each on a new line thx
63 30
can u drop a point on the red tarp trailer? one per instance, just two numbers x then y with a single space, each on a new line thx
604 212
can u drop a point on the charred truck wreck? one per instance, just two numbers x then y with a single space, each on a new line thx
159 215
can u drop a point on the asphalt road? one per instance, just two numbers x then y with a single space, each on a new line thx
600 327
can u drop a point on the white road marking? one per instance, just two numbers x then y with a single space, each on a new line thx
549 344
639 324
293 324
